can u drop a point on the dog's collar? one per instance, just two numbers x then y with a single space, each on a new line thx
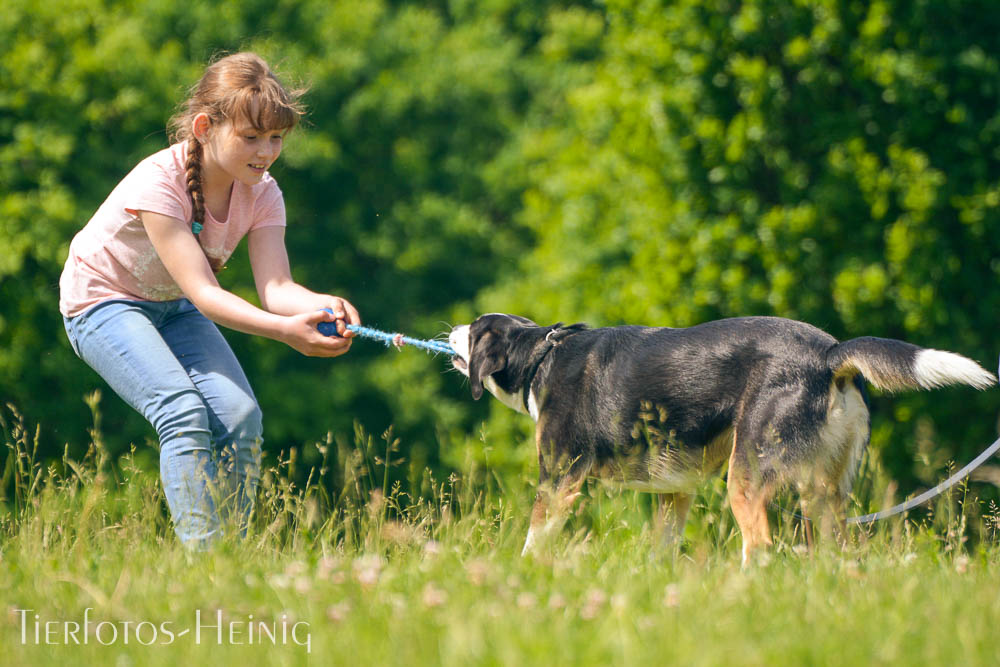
553 338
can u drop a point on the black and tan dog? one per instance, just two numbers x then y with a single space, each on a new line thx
656 409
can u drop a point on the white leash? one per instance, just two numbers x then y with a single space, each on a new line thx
919 500
931 493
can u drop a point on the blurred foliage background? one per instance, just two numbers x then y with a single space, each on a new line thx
626 161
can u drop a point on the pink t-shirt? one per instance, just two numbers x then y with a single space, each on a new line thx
112 256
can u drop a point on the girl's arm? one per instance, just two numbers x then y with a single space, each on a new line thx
278 292
184 259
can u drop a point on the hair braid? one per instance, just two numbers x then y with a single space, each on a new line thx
193 174
194 187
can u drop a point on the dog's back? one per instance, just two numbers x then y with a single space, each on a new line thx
667 403
694 379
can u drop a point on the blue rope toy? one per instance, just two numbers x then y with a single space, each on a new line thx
330 329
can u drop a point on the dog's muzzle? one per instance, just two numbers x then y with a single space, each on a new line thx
459 341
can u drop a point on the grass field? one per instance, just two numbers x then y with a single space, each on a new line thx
374 576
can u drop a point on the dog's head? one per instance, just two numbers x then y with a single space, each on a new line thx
493 352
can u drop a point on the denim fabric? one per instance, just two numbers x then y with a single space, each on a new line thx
172 364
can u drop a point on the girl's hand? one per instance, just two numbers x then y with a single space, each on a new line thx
301 334
343 314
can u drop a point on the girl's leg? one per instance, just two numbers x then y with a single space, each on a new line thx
233 413
120 341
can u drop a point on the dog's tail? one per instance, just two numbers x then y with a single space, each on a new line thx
893 365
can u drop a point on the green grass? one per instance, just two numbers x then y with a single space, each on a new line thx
376 576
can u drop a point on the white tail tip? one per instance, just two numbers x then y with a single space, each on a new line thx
934 368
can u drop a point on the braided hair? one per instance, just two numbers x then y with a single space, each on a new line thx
238 86
194 187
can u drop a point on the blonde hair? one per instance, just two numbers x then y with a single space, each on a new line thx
238 87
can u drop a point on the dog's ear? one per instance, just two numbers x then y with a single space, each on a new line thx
486 358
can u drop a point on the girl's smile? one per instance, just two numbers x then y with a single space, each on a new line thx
240 153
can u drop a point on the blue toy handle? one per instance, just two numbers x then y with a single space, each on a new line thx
328 328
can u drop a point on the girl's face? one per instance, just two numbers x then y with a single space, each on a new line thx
241 152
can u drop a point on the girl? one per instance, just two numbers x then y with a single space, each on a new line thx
138 293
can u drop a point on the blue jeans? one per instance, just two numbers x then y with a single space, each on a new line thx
169 362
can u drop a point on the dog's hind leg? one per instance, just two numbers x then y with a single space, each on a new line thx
823 503
824 495
672 515
843 438
749 492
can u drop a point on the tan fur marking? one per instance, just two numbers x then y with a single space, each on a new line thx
749 506
884 379
748 500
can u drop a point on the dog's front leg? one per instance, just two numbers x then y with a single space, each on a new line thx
548 514
558 487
